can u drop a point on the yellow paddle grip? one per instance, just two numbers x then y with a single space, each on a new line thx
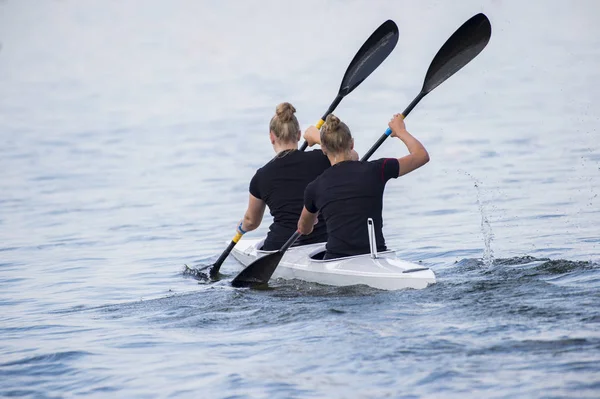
237 237
320 123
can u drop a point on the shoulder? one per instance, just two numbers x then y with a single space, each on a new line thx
259 172
384 162
311 193
388 168
266 169
255 184
378 162
310 190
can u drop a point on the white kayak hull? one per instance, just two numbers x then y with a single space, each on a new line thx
386 272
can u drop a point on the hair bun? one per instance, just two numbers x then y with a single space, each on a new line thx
285 112
332 122
335 135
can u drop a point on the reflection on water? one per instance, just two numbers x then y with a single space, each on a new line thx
129 134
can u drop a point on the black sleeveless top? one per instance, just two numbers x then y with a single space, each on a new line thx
280 184
346 195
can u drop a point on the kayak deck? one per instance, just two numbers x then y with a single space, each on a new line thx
385 272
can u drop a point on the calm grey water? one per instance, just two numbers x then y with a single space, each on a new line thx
128 135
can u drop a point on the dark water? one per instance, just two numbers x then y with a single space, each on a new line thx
129 132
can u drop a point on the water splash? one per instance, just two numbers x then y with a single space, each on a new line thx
486 226
486 231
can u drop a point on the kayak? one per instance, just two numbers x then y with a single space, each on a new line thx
383 270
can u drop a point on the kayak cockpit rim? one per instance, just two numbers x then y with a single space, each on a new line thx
259 251
258 247
316 256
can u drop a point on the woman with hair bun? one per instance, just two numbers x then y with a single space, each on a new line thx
281 182
351 191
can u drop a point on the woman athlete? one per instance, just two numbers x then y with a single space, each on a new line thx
350 191
281 182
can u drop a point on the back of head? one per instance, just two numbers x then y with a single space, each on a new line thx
284 124
335 135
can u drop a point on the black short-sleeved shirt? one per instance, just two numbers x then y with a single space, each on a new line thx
346 195
280 184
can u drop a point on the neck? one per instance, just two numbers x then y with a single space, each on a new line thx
278 147
341 157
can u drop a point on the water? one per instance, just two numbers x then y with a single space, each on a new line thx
129 132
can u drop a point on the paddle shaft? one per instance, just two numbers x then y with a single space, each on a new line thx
290 242
214 270
332 108
388 132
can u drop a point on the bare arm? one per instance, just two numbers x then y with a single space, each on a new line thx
418 154
307 221
254 214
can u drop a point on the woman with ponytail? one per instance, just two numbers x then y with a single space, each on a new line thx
351 191
281 182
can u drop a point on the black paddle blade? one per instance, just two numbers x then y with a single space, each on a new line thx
464 45
372 53
198 274
258 272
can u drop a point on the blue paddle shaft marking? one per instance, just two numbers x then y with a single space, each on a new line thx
388 131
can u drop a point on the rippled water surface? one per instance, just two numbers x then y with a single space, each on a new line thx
129 132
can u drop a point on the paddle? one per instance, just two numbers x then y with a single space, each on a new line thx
464 45
371 54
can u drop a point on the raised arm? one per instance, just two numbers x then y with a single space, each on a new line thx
418 154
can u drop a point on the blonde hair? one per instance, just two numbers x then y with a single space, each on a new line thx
335 135
284 124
